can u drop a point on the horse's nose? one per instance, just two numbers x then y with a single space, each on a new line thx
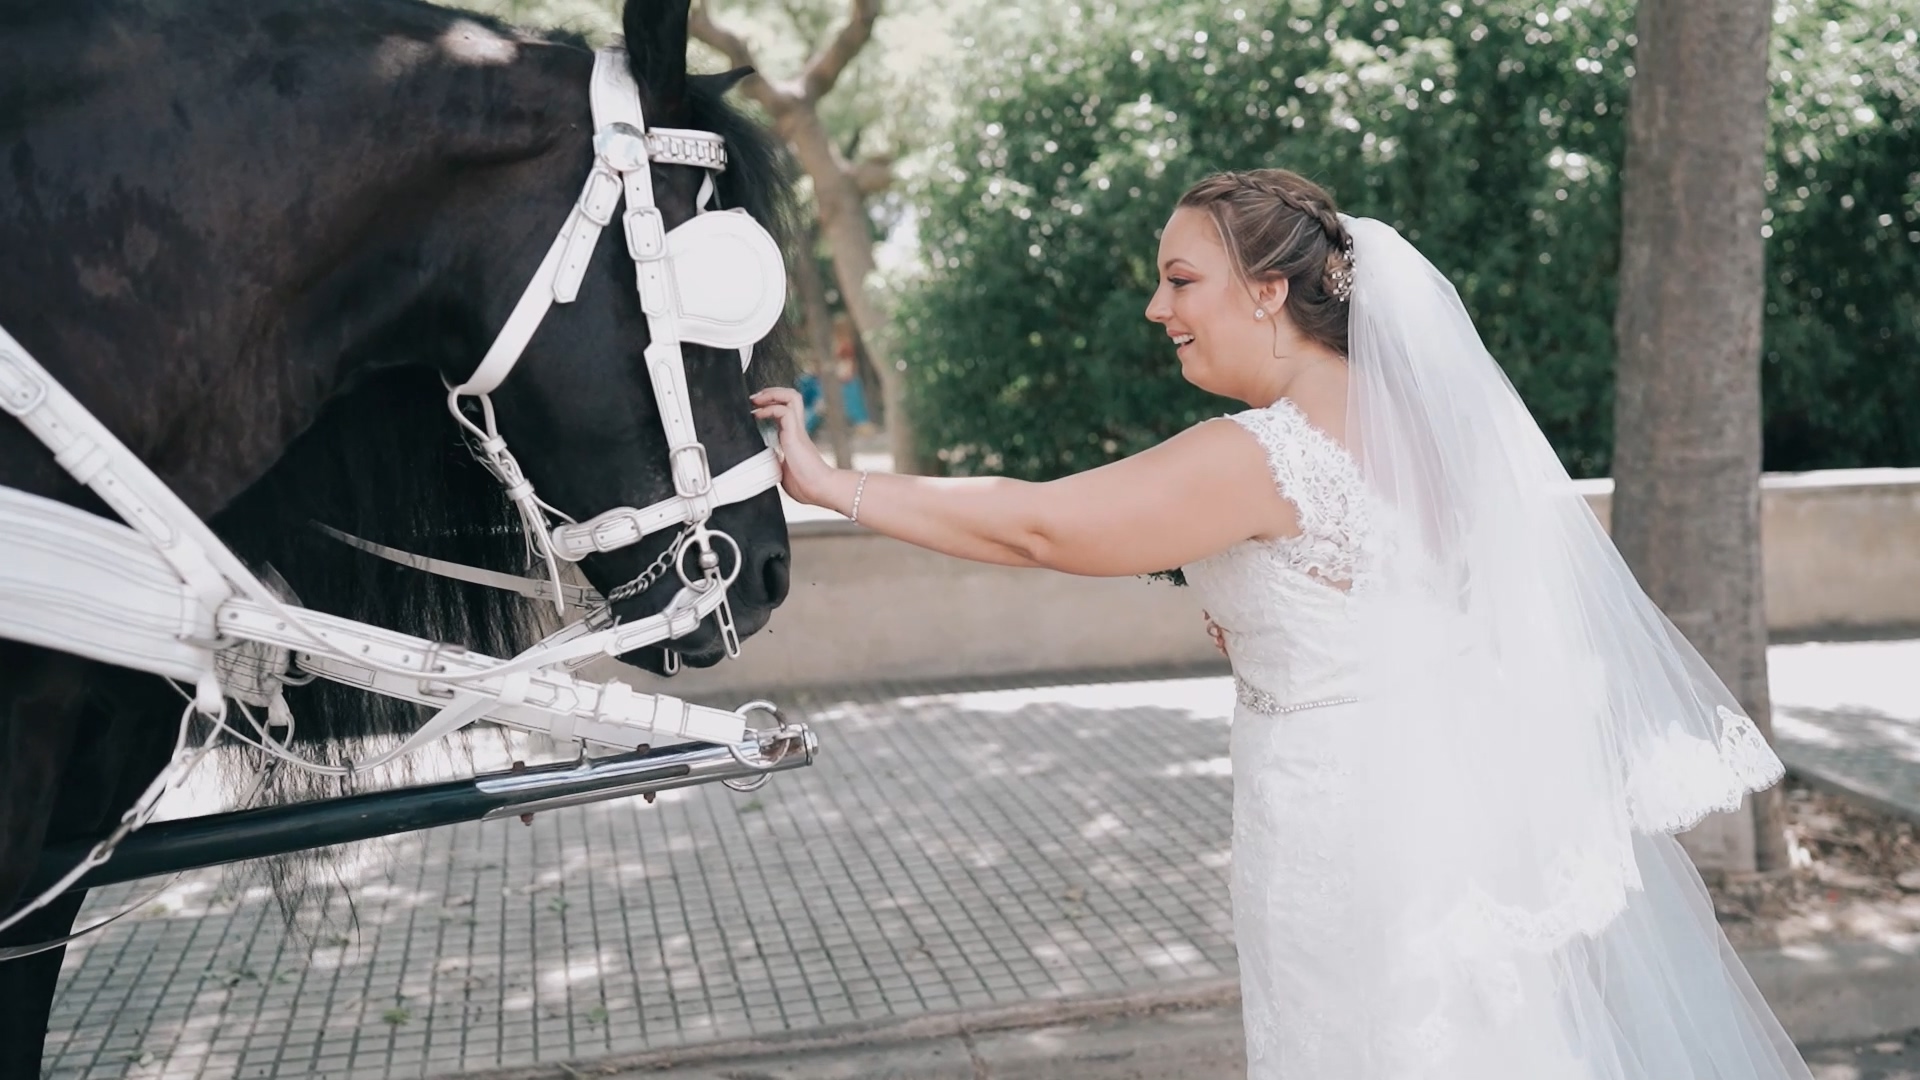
771 566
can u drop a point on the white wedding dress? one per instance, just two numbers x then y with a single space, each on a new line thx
1654 994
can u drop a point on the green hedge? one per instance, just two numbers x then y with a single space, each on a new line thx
1490 133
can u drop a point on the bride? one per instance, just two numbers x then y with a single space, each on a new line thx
1464 736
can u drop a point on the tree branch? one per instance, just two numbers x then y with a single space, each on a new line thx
700 25
872 175
825 67
806 24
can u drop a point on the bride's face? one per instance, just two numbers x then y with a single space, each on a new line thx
1207 309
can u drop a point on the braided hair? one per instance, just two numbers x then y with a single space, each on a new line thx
1278 224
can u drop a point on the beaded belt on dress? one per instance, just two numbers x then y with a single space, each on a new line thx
1266 704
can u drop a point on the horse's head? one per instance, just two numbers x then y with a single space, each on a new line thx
581 410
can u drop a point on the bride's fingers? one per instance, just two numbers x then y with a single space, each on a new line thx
778 395
784 407
1218 635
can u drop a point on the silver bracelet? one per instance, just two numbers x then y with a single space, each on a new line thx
858 490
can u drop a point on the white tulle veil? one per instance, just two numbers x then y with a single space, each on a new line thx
1546 717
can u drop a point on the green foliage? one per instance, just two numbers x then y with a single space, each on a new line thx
1842 353
1490 133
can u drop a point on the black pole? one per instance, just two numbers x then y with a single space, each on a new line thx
168 847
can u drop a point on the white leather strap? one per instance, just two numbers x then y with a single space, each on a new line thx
82 584
612 94
525 318
97 458
525 692
626 525
681 617
93 587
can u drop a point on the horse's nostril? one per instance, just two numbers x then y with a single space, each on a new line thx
773 574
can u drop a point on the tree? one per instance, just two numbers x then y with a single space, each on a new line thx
1686 460
1485 138
811 290
1491 133
841 187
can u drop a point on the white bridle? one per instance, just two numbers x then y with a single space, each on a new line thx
716 280
163 594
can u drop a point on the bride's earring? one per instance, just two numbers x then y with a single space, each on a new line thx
1259 313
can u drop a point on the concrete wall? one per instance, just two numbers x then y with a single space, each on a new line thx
866 609
1841 548
1842 554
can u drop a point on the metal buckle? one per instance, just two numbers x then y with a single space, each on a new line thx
646 234
704 477
601 197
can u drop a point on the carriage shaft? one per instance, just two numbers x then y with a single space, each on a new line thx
167 847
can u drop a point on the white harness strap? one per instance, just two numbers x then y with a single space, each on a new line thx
624 525
76 582
97 458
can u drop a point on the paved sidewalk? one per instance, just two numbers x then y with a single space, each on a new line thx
1847 717
1192 1044
961 847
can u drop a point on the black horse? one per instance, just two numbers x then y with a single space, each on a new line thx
254 237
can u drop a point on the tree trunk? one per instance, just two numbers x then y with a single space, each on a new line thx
843 223
839 189
819 320
1686 465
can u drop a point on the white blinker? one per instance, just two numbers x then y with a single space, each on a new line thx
729 282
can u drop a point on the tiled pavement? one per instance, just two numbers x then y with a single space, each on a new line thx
952 847
1847 716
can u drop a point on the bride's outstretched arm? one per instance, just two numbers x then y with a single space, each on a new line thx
1193 495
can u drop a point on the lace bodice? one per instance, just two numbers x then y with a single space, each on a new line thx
1286 604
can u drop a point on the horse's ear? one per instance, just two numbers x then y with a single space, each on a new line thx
656 33
718 85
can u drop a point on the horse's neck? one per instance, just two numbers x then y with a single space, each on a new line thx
207 286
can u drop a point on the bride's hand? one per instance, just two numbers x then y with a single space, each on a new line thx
1218 635
804 472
